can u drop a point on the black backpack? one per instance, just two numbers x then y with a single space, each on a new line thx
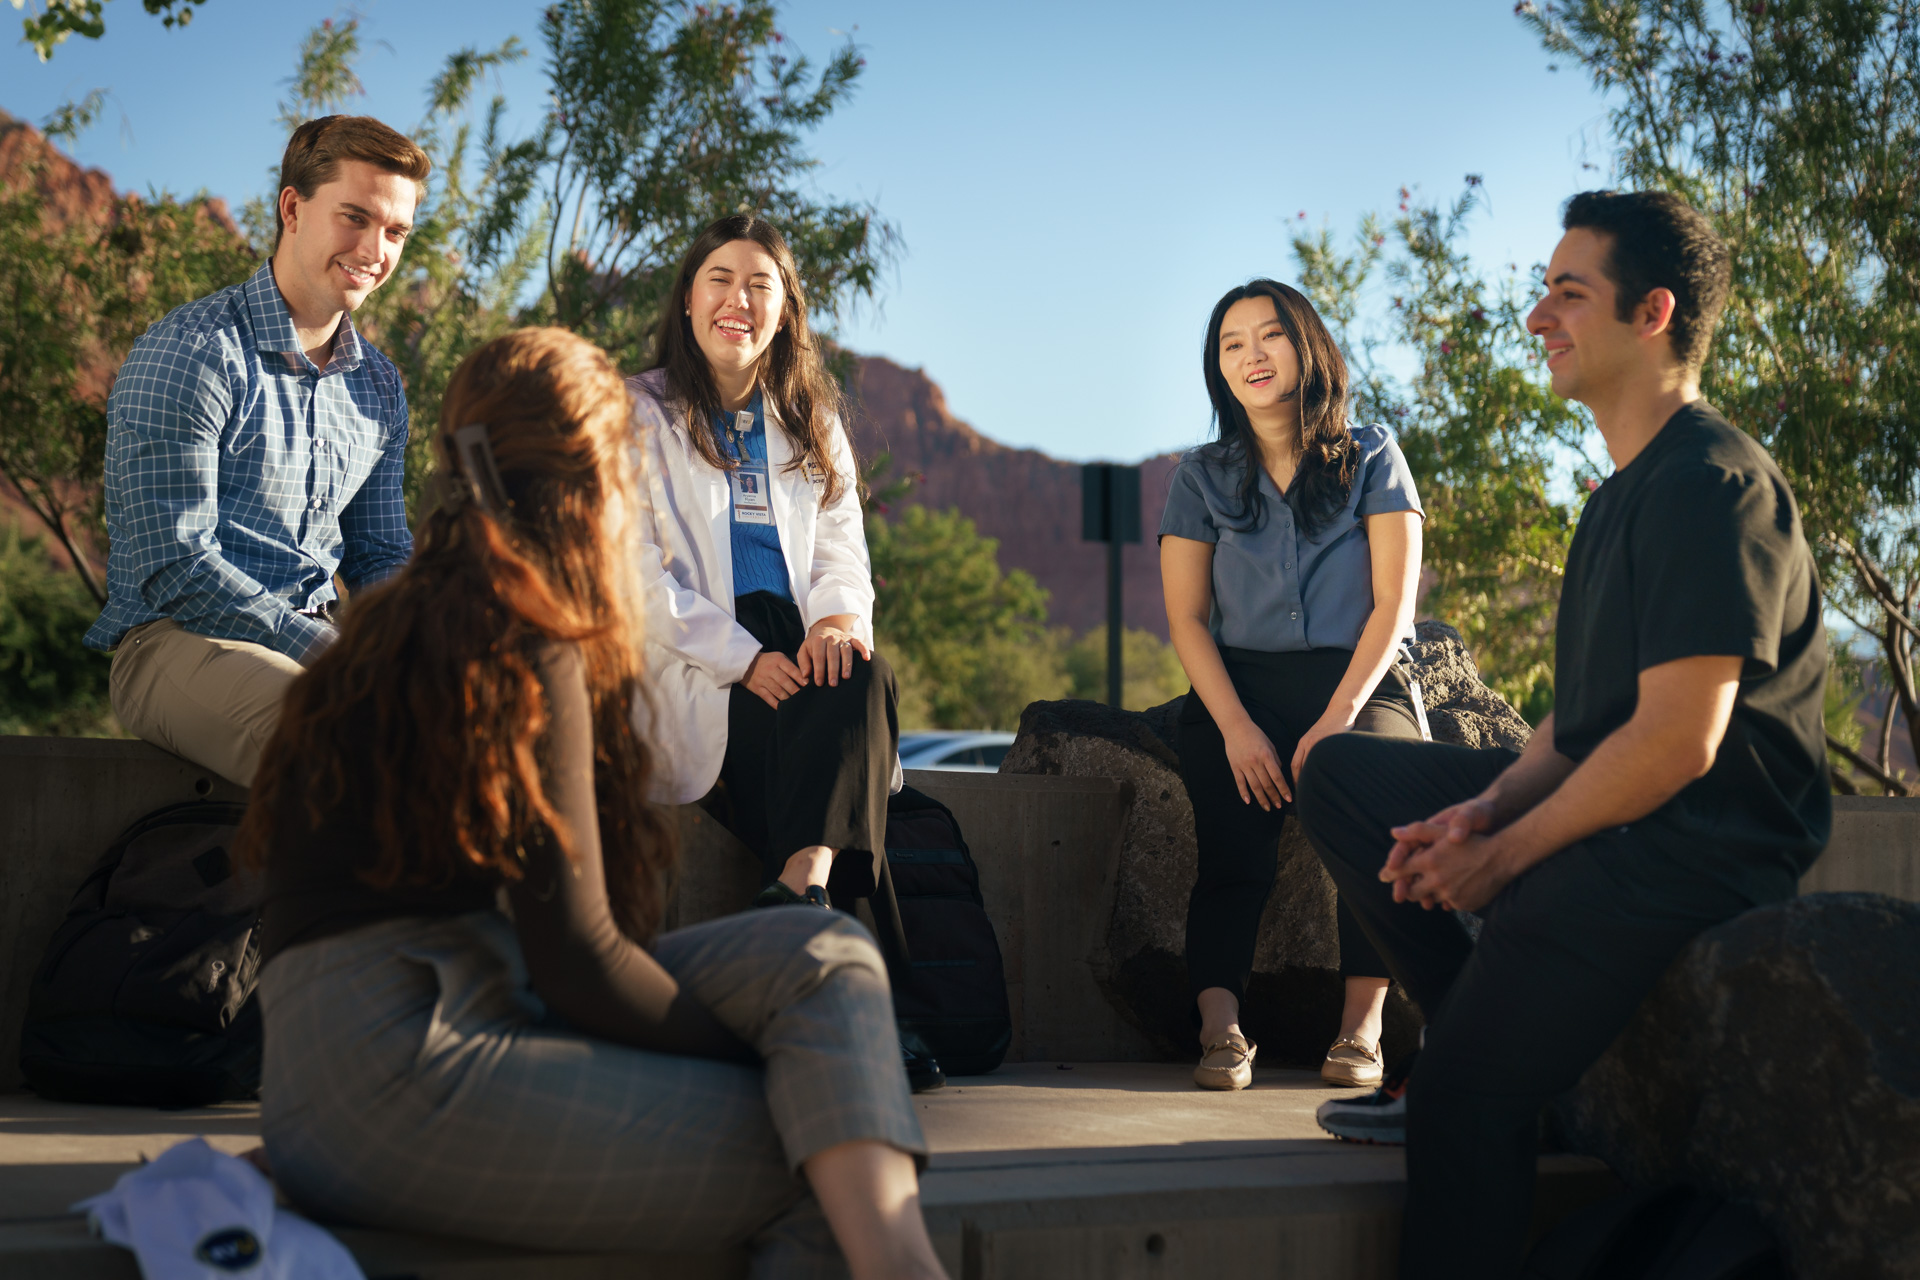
146 993
950 988
1672 1233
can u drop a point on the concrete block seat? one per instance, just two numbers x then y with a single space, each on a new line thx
1061 1163
1056 1169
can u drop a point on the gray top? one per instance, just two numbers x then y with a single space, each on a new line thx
1276 589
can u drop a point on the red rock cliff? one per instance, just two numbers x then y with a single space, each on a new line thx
1027 500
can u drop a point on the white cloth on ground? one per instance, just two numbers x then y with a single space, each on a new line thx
196 1214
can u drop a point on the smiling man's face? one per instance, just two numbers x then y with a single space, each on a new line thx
345 242
1588 346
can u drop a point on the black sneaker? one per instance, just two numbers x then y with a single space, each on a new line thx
923 1073
1379 1117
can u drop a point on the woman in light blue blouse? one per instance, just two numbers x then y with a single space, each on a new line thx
1290 559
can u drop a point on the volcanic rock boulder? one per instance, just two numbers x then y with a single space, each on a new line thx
1460 709
1778 1063
1292 1007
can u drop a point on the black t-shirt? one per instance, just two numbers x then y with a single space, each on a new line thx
1693 549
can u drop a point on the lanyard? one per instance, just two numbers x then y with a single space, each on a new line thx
748 480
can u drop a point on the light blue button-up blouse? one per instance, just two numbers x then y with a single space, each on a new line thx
1277 589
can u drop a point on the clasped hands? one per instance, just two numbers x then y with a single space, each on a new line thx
824 657
1454 859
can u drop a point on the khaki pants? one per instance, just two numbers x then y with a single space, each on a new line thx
214 702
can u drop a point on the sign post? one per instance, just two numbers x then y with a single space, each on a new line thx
1110 513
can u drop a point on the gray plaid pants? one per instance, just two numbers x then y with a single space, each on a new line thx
409 1084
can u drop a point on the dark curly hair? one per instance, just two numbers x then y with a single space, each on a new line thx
1328 456
1659 241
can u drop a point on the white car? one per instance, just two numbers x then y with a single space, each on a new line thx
964 750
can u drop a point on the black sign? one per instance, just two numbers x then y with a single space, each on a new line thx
1109 503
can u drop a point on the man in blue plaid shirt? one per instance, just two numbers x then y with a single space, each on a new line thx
255 447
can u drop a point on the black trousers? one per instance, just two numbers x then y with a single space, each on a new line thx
1239 843
1567 952
816 770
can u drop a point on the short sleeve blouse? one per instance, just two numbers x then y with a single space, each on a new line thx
1277 589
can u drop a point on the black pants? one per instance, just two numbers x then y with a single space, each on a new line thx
1567 952
816 771
1239 843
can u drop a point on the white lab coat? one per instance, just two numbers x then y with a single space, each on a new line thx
695 651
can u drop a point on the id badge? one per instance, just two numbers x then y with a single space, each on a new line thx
750 501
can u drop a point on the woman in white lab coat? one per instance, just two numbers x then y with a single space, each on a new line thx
759 590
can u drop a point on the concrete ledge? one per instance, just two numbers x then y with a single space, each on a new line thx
1046 847
1107 1170
1875 849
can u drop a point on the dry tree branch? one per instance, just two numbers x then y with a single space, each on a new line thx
1868 767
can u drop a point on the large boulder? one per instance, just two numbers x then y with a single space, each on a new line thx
1292 1006
1778 1063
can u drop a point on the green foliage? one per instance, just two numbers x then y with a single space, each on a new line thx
1845 693
1150 671
974 639
70 119
664 117
51 22
49 682
1480 427
1795 125
72 301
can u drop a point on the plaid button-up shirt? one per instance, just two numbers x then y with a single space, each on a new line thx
240 476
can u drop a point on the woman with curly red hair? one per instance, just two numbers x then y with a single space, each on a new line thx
559 1077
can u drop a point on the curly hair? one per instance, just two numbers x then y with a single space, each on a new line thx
441 661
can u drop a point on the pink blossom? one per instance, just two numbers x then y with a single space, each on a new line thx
1592 484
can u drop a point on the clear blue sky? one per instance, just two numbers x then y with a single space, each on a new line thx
1075 183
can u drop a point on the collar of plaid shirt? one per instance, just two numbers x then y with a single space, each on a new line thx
273 328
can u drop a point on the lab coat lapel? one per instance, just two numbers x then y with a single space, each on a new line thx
713 510
784 486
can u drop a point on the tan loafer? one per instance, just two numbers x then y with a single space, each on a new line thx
1227 1064
1354 1063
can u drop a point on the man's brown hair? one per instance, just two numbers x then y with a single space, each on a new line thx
315 151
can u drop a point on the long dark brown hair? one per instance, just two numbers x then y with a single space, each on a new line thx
431 695
792 376
1328 456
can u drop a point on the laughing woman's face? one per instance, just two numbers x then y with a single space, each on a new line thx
1256 358
735 306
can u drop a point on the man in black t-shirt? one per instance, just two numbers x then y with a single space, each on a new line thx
1680 781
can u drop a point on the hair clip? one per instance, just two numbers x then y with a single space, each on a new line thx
476 458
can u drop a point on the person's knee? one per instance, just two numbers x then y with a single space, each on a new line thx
826 939
1332 760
